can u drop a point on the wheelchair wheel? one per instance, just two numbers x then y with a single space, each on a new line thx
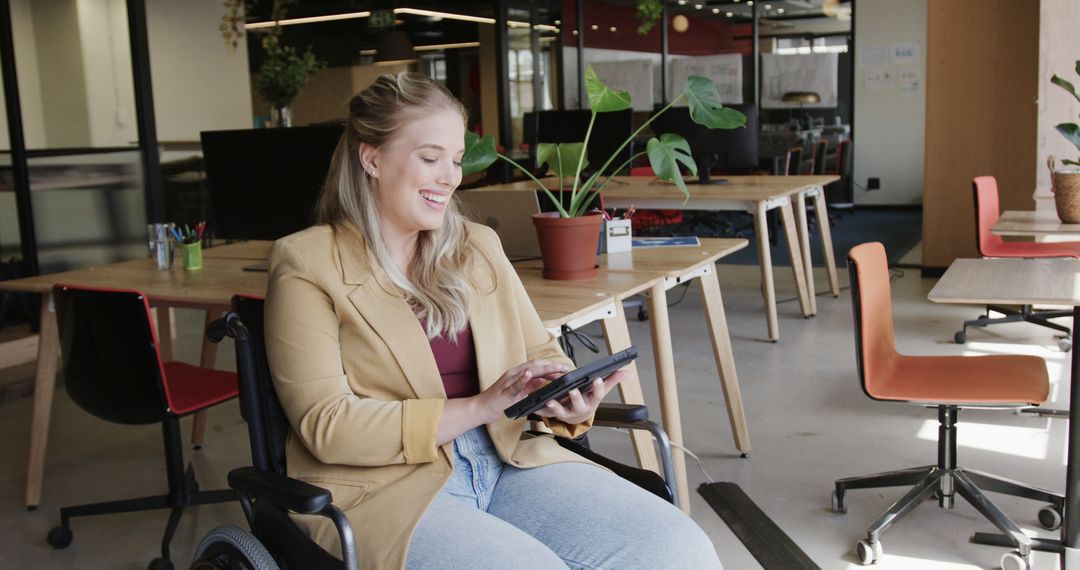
228 547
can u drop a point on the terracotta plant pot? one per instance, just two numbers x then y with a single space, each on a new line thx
568 245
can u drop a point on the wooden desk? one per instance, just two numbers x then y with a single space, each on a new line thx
251 250
212 288
1038 223
754 194
1053 281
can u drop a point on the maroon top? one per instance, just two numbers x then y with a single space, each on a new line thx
457 364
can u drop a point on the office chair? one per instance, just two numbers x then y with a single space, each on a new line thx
267 494
793 161
113 370
947 383
985 191
819 150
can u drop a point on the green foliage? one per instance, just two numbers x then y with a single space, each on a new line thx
1071 131
284 72
665 153
648 12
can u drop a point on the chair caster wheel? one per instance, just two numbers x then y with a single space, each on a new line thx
1013 561
59 537
839 503
1050 517
1064 344
868 553
160 564
960 337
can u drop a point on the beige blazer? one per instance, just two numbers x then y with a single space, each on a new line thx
360 386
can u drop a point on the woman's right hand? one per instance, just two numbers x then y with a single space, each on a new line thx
515 384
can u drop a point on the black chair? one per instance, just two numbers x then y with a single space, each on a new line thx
112 369
267 494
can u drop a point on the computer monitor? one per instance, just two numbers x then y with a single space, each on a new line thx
263 183
610 130
731 150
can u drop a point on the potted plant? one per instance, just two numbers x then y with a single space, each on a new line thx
1065 182
283 74
573 256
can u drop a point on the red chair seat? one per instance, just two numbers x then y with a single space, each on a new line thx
191 388
1032 249
995 379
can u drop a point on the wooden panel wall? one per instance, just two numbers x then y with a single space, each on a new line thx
982 59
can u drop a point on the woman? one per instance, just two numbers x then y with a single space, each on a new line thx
398 332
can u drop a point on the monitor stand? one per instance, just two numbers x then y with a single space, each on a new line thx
705 163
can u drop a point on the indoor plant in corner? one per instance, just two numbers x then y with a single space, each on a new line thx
1065 182
569 237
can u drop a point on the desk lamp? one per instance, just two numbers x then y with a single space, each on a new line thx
802 98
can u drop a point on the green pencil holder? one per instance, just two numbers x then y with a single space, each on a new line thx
191 255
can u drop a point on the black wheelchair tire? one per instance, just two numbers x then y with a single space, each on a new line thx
229 547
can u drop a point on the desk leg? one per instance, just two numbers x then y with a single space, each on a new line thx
206 360
665 379
761 232
165 332
804 246
48 354
791 233
725 359
820 209
617 336
1070 531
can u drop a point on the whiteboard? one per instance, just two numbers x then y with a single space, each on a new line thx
725 70
815 72
633 75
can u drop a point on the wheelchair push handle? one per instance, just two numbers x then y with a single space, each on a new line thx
229 325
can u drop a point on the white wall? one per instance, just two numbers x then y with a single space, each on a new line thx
890 122
1059 49
106 59
199 82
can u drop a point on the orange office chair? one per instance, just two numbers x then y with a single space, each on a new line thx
986 215
793 161
112 369
947 383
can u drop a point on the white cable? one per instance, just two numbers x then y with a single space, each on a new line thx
701 465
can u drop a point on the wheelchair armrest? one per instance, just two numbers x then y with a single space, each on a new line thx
285 492
621 413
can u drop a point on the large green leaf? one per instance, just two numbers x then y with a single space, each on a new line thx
1070 131
561 158
1065 85
705 108
479 154
665 155
603 99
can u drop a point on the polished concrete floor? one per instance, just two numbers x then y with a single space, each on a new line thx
810 423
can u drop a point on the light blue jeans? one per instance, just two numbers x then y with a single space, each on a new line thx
494 515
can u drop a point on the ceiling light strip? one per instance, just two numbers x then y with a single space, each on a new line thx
461 45
411 11
308 20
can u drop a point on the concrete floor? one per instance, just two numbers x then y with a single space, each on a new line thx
809 425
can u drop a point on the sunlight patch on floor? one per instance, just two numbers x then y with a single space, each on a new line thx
908 562
1013 440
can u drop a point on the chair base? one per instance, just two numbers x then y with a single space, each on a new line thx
1025 313
944 481
183 492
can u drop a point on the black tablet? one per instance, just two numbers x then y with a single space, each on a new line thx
580 378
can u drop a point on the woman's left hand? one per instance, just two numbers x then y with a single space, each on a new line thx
579 407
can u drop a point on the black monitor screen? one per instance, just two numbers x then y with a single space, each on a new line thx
610 130
263 183
732 150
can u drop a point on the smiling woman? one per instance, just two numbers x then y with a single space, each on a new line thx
397 334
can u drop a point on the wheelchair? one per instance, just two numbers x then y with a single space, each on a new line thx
267 495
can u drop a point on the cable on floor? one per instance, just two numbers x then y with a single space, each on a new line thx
701 465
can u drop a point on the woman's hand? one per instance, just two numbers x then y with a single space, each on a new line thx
514 385
579 407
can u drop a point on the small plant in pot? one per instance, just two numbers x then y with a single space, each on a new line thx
569 236
1065 181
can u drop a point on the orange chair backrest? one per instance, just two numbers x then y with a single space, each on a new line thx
986 213
875 345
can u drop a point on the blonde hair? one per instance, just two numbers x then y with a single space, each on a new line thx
436 283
